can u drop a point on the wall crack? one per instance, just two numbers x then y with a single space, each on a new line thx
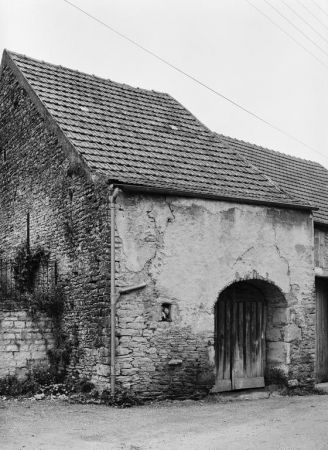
240 258
281 256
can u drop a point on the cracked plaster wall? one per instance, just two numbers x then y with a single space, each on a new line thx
188 251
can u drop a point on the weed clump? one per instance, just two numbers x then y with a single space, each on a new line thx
275 376
122 398
44 383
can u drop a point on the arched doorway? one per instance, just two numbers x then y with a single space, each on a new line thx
241 314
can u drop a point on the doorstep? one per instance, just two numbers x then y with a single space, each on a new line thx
245 394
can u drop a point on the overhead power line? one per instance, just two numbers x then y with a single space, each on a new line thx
280 28
307 23
195 80
289 21
319 7
312 14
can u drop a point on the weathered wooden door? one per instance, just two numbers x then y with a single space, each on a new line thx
321 286
240 338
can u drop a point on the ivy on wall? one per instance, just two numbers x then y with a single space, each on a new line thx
26 264
48 299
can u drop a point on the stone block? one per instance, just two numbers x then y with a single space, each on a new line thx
280 316
139 319
12 348
36 348
24 346
103 370
21 314
38 337
151 350
136 325
124 344
211 355
147 333
37 355
138 339
273 334
19 324
129 332
278 353
13 317
137 354
129 371
125 319
141 361
292 333
7 324
175 362
125 365
123 351
162 352
8 336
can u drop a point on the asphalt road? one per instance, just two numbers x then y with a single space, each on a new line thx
283 423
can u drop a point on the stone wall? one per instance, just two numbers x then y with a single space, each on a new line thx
68 208
188 251
24 342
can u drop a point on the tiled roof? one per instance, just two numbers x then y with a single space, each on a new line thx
144 137
305 179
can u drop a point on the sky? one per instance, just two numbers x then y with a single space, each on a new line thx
277 71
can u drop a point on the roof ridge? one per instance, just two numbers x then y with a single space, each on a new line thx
107 80
279 153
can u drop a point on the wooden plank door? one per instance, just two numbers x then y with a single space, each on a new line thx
321 330
240 342
248 358
223 346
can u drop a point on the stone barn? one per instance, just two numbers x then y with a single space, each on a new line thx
186 260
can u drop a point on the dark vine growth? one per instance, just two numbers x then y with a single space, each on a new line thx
43 296
26 264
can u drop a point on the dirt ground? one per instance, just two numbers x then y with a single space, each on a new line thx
283 423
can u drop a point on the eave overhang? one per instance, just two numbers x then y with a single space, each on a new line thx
193 194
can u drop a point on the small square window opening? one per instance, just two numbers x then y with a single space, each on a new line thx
166 312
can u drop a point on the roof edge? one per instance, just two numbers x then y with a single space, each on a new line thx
172 191
320 223
49 121
96 77
278 152
229 144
